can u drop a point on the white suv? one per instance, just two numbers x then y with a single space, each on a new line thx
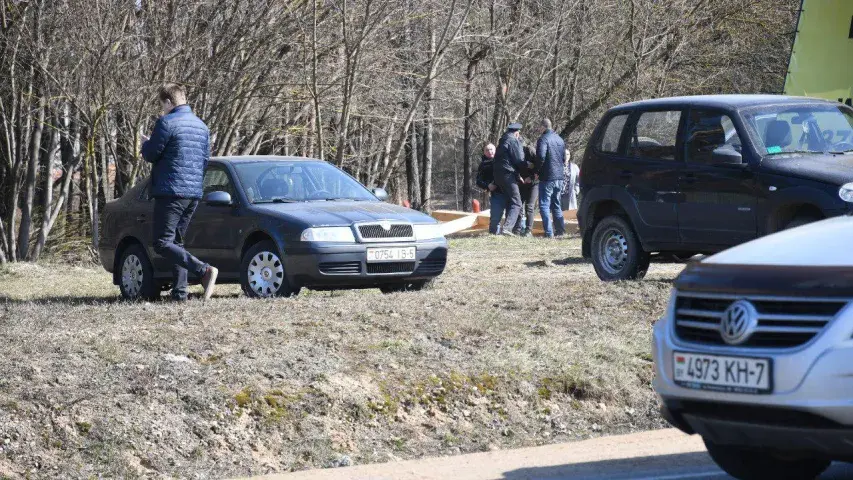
755 353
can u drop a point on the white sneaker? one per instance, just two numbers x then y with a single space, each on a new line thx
208 281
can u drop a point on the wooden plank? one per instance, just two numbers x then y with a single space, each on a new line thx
456 221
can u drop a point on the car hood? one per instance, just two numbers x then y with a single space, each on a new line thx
810 261
836 169
821 244
342 213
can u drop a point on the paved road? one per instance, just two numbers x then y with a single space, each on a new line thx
657 455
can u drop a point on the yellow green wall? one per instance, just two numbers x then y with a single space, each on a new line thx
822 59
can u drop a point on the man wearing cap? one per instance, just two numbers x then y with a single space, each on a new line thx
509 161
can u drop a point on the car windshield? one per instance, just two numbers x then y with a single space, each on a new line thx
812 128
298 181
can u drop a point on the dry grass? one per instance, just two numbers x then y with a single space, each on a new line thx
518 344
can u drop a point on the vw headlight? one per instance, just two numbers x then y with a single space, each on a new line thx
428 232
846 192
328 234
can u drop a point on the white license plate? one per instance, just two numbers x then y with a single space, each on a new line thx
391 254
722 373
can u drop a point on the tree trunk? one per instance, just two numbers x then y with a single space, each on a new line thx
413 187
467 154
47 195
315 94
426 185
30 185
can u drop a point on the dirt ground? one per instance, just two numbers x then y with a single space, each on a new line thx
517 344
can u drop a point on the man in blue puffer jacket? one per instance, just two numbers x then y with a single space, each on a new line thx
178 150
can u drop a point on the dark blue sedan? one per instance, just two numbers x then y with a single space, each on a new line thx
275 225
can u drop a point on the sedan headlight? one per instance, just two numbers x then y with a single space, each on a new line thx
328 234
428 232
846 192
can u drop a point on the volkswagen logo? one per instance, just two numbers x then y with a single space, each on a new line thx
739 322
385 225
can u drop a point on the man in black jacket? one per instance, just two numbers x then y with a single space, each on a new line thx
528 186
486 181
551 152
509 160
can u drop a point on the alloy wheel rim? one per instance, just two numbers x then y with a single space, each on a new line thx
132 275
613 251
265 274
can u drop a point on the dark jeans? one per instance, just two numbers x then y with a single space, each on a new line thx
497 206
549 204
529 199
508 184
171 218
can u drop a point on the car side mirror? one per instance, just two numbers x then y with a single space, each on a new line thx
380 193
218 199
726 155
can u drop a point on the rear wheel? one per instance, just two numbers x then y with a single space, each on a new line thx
616 251
755 464
262 272
406 286
136 275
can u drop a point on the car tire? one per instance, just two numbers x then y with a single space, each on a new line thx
616 251
755 464
262 273
406 287
799 222
136 275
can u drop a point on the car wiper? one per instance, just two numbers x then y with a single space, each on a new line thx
841 152
276 200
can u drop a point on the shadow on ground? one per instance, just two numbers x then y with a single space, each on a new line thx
693 466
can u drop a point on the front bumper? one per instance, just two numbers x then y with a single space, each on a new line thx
811 404
779 429
345 265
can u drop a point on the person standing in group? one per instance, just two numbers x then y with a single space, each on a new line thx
551 152
178 149
528 186
571 172
509 160
486 181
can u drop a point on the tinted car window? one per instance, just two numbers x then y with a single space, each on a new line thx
216 180
708 131
655 135
300 181
813 128
612 134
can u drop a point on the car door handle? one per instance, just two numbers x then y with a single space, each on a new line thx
141 218
626 174
689 178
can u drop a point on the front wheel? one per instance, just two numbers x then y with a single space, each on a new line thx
262 272
616 251
406 286
136 280
755 464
